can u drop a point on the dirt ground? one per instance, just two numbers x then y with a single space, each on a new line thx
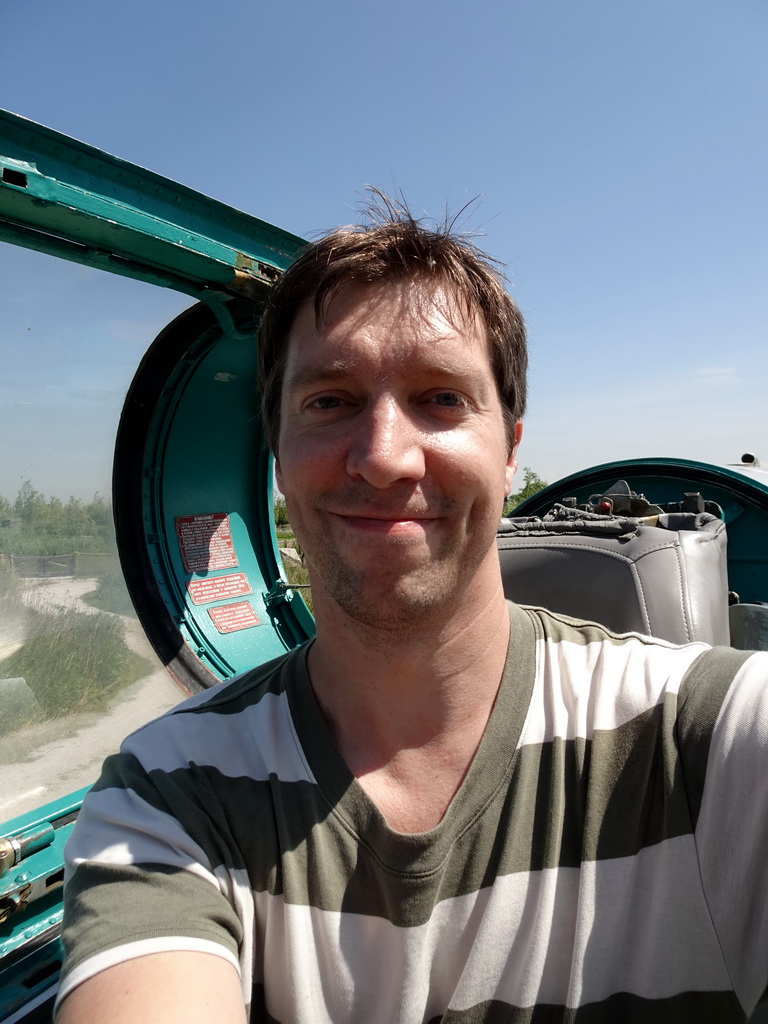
45 762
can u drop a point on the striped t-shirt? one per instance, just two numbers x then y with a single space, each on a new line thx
603 860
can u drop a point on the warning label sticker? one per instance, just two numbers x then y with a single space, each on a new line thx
230 617
206 542
219 587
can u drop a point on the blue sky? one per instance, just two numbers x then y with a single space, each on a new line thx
619 151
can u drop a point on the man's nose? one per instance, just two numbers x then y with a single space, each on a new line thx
387 446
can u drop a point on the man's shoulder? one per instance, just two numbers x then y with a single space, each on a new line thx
706 665
554 628
598 667
252 702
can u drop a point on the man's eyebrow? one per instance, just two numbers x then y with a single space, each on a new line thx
317 375
452 375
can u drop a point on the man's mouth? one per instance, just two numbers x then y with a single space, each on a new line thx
387 522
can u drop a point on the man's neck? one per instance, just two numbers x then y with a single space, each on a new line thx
408 711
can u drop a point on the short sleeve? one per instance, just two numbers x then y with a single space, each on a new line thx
139 881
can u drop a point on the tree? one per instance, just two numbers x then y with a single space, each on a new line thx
99 512
281 512
53 517
76 519
30 506
532 484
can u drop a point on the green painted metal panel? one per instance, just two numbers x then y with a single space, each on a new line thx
205 455
30 949
60 195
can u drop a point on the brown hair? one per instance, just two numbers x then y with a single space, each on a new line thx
394 246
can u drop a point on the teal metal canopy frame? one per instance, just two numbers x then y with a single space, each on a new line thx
62 197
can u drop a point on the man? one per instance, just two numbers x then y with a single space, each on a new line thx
444 808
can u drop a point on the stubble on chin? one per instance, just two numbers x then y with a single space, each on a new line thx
390 598
391 607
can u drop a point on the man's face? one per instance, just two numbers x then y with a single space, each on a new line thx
392 454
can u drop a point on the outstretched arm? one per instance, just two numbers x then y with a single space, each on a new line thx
161 988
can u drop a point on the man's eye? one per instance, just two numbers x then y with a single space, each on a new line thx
325 402
450 400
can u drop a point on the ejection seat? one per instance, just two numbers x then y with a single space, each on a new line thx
625 563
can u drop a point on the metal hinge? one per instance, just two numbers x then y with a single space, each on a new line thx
14 849
277 592
13 902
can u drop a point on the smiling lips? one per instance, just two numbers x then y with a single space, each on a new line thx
394 524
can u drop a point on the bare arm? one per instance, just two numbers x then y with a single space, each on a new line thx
161 988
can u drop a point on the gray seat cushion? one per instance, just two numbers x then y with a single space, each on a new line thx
665 575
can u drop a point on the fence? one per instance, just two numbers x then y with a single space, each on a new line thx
77 564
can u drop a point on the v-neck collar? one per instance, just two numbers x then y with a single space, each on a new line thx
421 852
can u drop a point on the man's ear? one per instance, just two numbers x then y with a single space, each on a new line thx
512 459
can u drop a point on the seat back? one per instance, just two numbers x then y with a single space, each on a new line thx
663 575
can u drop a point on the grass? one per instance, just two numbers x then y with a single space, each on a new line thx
20 542
295 573
111 595
74 661
10 591
71 660
298 574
